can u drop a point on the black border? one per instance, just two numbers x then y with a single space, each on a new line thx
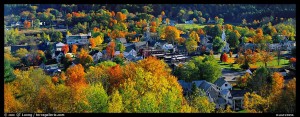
148 2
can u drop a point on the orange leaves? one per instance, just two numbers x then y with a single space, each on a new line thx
180 40
115 76
277 83
27 24
65 48
75 76
55 79
92 42
74 48
11 104
155 66
293 60
120 16
200 31
110 49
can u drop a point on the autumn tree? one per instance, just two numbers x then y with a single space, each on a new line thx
191 45
120 17
45 37
11 104
242 81
74 48
97 98
194 36
22 52
92 42
84 58
115 76
110 49
247 57
171 33
75 76
265 56
254 103
115 104
224 57
65 48
27 24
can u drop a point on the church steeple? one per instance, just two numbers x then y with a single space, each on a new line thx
223 35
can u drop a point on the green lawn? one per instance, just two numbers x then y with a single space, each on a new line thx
242 111
189 26
274 63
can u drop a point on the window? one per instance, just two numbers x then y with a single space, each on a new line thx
225 85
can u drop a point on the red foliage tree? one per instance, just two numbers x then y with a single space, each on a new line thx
65 48
224 57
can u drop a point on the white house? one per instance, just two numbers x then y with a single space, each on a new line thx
59 46
222 84
167 47
80 39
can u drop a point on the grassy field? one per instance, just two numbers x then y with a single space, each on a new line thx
274 63
188 26
242 111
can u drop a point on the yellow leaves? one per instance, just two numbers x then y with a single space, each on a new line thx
195 36
171 33
115 104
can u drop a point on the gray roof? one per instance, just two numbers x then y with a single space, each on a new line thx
198 82
213 93
122 40
219 82
140 43
130 57
205 85
185 85
238 93
221 101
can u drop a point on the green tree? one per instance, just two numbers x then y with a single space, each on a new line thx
191 45
97 97
45 37
233 40
218 44
56 36
36 23
8 72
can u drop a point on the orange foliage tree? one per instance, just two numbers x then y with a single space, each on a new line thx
120 17
75 76
27 24
292 60
110 49
74 48
115 76
277 83
92 42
